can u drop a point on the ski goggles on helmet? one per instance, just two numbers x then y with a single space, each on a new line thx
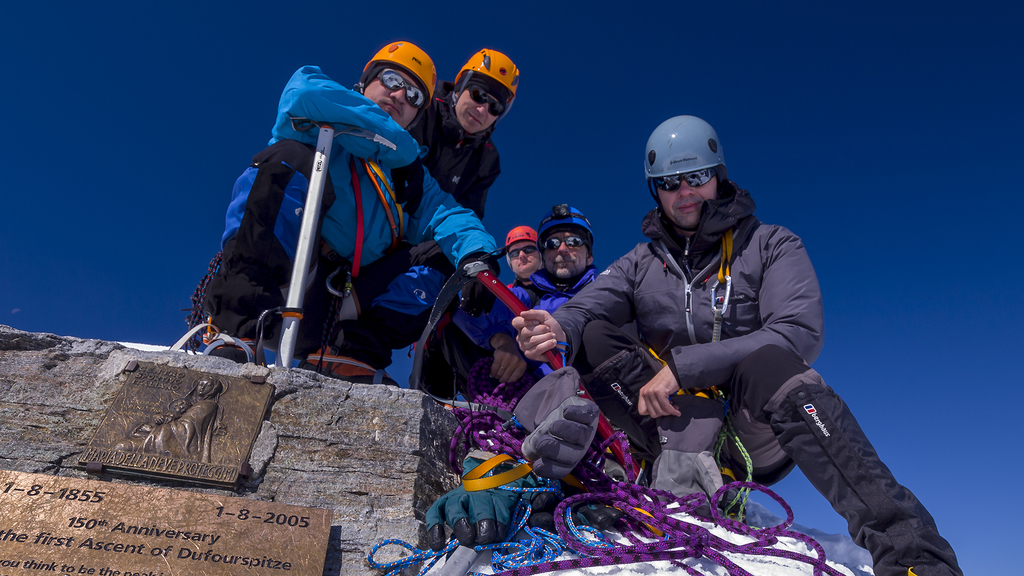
693 179
529 249
481 96
393 81
570 241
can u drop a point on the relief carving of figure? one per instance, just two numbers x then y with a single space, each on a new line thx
186 430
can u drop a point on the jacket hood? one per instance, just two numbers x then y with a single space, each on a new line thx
453 131
732 206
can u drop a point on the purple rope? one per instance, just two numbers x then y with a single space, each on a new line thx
486 390
678 539
681 539
486 430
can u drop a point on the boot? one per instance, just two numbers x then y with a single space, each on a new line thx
686 464
816 429
345 368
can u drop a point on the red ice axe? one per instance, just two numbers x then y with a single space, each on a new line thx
502 293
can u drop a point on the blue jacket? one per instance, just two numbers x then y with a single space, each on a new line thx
545 297
437 216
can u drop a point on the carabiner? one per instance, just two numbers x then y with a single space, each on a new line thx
348 283
725 301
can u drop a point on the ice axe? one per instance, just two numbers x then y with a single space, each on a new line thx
480 272
291 314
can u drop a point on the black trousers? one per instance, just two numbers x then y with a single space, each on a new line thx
785 415
380 329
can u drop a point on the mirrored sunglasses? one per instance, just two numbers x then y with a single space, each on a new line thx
571 242
494 106
525 250
393 81
693 179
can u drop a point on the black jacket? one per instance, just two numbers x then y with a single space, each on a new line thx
464 166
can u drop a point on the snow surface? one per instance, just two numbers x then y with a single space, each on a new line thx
145 347
841 553
840 550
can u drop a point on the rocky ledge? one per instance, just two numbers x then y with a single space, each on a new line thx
376 456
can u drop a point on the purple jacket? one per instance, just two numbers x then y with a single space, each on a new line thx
543 295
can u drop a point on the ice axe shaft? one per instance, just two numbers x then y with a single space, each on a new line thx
304 251
459 563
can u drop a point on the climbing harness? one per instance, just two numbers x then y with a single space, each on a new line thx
396 221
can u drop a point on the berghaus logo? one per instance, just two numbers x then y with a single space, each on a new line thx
810 409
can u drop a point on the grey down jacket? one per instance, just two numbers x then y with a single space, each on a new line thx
665 285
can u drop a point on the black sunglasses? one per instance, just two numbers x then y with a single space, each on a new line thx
693 179
494 106
570 241
530 249
393 81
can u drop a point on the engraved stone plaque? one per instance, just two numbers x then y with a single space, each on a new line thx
66 526
181 424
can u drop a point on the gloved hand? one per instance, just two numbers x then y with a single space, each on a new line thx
476 298
480 517
408 184
594 514
429 253
562 438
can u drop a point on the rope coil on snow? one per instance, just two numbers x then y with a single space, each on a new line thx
649 526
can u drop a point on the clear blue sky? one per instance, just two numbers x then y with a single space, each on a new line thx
885 135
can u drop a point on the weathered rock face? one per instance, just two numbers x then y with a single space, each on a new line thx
374 455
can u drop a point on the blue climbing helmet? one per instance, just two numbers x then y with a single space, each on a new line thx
562 217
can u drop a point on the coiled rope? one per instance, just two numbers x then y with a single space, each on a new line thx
650 525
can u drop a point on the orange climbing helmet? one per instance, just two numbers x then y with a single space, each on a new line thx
407 56
495 71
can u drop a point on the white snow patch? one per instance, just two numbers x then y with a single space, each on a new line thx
145 347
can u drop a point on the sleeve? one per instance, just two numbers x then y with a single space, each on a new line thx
790 311
311 94
609 297
483 327
440 218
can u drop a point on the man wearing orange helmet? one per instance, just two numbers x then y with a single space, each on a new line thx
522 254
456 127
363 216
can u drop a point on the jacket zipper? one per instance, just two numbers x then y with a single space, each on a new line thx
689 284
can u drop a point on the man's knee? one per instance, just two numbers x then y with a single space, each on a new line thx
602 341
763 373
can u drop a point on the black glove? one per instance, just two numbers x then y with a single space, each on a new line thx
429 253
593 514
476 298
408 183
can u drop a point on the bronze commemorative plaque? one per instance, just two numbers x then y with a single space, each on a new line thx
181 424
67 526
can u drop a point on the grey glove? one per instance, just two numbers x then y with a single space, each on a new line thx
562 438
